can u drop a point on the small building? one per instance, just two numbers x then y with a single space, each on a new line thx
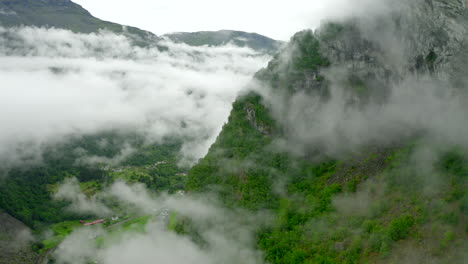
93 222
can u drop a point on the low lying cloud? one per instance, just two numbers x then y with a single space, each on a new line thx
124 153
56 83
390 79
335 127
70 191
224 235
346 9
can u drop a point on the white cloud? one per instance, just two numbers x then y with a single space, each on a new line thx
56 83
124 153
70 191
336 127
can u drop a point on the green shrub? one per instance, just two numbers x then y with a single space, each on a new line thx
450 218
464 205
399 228
352 185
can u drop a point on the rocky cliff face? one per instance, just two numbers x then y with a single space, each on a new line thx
414 37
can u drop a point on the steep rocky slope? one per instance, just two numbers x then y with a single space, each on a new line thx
354 139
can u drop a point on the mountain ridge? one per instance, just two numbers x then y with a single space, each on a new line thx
222 37
61 14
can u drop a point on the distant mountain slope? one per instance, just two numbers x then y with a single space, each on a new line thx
60 14
66 14
221 37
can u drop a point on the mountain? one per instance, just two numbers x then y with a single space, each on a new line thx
26 189
66 14
60 14
222 37
351 142
26 196
344 143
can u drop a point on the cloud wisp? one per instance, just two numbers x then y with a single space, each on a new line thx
57 83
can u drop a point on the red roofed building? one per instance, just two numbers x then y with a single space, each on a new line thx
92 223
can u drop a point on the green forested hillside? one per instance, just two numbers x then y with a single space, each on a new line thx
380 202
26 192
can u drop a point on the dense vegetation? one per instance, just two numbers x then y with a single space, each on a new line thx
26 192
377 205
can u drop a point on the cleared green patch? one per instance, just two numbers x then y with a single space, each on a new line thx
90 188
172 221
117 232
60 232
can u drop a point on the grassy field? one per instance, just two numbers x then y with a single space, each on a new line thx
60 232
116 232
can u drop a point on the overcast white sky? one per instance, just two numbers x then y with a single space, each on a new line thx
273 18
